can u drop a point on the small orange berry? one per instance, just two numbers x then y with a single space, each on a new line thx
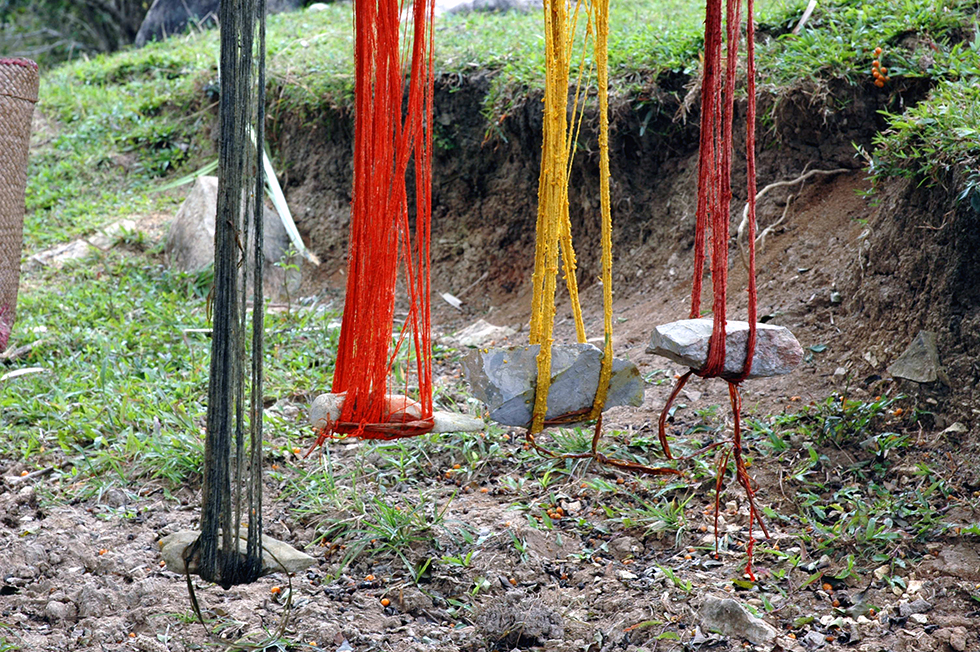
385 602
132 635
688 556
827 587
297 451
484 490
880 83
513 581
275 590
23 474
877 51
369 578
103 551
457 467
875 63
836 603
883 71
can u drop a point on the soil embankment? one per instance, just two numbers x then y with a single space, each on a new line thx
855 269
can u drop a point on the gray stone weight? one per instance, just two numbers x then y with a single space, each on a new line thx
505 379
777 351
277 556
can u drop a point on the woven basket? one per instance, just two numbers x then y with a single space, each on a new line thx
18 94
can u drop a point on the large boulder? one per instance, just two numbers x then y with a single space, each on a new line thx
168 17
190 241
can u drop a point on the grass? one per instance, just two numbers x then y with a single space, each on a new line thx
937 142
877 499
124 384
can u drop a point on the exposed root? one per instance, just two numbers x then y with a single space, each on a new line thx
760 239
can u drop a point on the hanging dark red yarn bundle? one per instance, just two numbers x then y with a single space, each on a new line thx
714 217
392 129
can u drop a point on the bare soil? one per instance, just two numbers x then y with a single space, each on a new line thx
854 274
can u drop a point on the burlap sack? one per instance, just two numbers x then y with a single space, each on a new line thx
18 94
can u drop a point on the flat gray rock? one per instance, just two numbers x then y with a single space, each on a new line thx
731 619
920 361
277 557
685 342
505 379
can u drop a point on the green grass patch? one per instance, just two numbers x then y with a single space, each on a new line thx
118 123
125 380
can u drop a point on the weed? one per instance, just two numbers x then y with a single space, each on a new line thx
837 420
684 585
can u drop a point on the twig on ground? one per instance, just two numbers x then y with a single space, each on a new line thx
40 473
20 351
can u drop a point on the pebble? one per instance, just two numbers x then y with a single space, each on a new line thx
919 606
957 638
56 611
814 639
920 619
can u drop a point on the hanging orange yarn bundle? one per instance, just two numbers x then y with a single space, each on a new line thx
388 237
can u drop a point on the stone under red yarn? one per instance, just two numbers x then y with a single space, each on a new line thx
715 173
389 239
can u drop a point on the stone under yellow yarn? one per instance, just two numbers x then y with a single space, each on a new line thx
553 232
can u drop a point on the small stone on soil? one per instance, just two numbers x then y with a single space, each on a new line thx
731 618
920 361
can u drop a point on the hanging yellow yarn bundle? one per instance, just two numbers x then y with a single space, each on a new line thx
554 233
